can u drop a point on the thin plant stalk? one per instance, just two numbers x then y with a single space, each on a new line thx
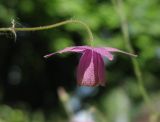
14 29
118 4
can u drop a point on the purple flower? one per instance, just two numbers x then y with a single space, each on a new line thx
91 68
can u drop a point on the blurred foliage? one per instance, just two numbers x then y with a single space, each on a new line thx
26 78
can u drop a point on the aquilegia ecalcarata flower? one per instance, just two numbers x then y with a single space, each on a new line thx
91 69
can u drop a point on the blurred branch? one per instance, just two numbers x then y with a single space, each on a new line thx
118 4
64 98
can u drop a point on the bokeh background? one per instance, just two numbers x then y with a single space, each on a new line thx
34 89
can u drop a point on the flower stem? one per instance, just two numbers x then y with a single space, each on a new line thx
118 4
46 27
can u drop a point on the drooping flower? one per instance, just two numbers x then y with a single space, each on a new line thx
91 68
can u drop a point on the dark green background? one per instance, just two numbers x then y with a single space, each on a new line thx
29 83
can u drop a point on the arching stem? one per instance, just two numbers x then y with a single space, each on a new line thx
46 27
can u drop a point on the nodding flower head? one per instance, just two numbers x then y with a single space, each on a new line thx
91 68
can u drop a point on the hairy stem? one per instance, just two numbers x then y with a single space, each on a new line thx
46 27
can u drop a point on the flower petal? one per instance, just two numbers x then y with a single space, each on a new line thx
109 49
100 68
85 71
104 52
90 69
77 49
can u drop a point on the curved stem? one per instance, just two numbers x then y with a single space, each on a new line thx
46 27
124 26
